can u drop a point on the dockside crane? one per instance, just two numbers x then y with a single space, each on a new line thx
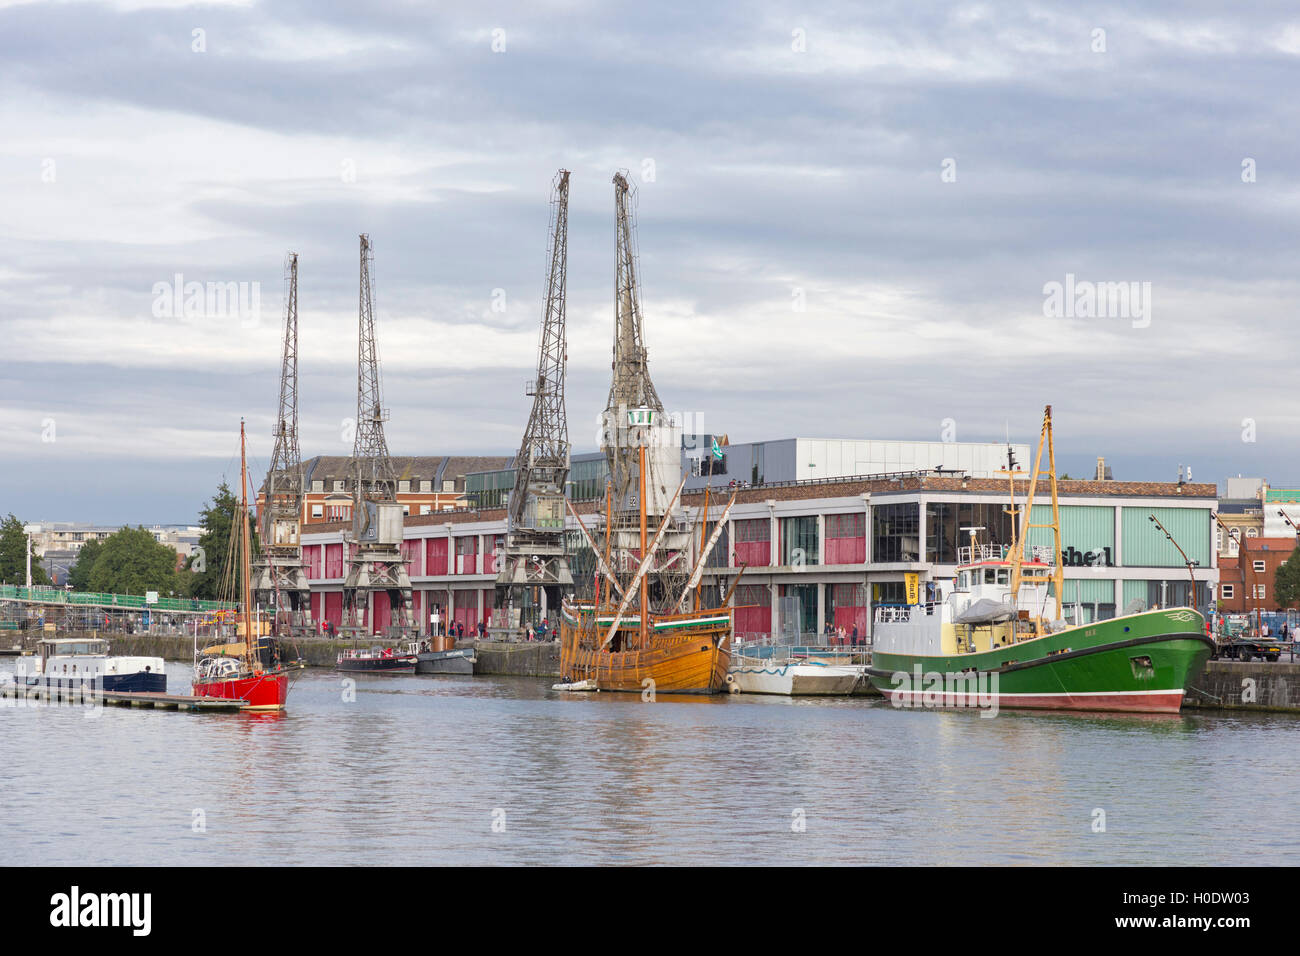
642 445
375 564
534 569
281 580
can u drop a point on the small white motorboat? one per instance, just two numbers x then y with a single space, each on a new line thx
577 686
793 677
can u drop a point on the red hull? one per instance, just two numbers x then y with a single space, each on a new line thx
1164 702
266 691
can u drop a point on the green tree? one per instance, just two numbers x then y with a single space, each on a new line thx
13 555
79 573
1286 582
130 561
212 567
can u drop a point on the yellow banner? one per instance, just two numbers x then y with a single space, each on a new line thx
913 584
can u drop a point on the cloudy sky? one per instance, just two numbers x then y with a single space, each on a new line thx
848 215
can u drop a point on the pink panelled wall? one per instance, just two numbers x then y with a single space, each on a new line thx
383 612
495 546
850 604
753 610
334 560
317 598
467 615
334 607
752 542
311 559
413 552
466 554
435 560
846 539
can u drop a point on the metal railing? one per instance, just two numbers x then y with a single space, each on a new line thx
134 602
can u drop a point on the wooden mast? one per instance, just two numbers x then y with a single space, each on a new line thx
609 506
645 584
704 527
245 555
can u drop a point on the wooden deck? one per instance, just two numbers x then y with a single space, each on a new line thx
152 701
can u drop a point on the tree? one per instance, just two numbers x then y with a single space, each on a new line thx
1286 582
212 567
13 555
79 573
130 561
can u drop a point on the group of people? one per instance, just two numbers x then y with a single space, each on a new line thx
839 635
542 632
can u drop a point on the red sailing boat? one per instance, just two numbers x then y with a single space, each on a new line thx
250 670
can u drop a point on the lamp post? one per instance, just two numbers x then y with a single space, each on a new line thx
28 530
1186 560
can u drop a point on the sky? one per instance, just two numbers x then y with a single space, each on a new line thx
854 221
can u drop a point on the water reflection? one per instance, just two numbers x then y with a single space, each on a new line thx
464 770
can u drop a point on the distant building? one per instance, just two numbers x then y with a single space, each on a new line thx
426 484
821 459
1281 511
58 543
1246 582
67 537
780 462
1241 509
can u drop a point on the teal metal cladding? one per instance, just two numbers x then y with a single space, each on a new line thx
1146 547
1085 528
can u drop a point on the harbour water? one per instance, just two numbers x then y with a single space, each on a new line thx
482 770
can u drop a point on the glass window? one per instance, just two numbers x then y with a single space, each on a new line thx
945 519
799 540
895 532
889 592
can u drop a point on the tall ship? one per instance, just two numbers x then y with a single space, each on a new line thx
996 635
250 668
646 626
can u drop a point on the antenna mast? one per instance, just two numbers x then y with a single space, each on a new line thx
534 552
376 562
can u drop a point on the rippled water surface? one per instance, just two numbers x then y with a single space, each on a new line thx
417 769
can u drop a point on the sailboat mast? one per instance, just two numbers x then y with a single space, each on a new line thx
245 552
645 585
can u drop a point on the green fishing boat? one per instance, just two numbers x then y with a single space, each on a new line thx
990 641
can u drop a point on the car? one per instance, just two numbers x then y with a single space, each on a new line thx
1249 648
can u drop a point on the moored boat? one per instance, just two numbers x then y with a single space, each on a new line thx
648 628
72 661
793 677
459 660
249 670
988 642
379 660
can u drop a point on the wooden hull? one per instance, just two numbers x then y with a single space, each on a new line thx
694 661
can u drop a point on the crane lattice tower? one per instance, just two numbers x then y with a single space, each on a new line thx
375 564
534 568
280 579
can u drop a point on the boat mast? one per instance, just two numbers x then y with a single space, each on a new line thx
645 584
1057 575
245 556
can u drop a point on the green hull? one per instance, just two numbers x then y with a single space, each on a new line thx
1139 663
